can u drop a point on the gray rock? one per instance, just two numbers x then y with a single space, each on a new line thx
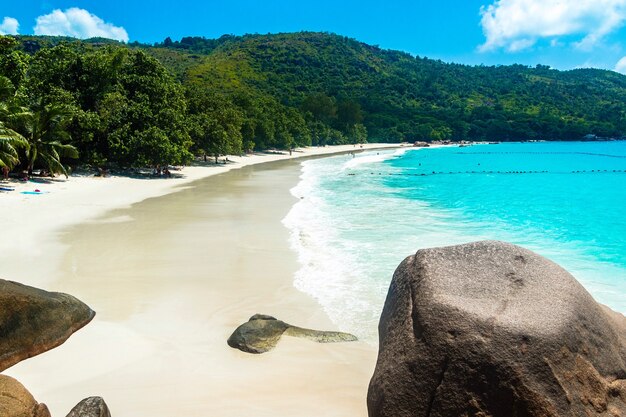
261 334
90 407
33 321
492 329
16 401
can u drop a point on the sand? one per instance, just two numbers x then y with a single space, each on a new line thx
172 266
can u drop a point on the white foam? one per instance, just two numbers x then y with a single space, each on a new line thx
336 245
351 235
373 157
328 271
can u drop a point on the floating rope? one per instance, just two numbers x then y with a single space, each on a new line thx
543 153
424 174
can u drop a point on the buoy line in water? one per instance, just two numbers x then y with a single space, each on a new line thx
543 153
426 174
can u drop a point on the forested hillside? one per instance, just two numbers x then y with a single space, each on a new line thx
398 96
136 104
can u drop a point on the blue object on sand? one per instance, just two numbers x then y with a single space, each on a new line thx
34 192
6 189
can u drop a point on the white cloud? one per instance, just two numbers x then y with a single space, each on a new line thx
621 66
520 44
78 23
555 42
519 24
9 26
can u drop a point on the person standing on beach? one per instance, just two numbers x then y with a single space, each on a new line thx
5 172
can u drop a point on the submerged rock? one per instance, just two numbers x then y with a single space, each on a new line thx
258 335
261 334
492 329
16 401
33 321
90 407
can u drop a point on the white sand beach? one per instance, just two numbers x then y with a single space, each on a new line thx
172 266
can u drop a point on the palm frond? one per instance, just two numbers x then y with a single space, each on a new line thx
11 137
45 128
63 150
8 154
54 165
52 152
10 142
6 88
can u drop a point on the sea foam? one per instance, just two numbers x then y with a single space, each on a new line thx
358 217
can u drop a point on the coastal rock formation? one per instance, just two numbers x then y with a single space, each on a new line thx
90 407
33 321
16 401
261 334
492 329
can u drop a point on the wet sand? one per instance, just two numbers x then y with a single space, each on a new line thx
170 278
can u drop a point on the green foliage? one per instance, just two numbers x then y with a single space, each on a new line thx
6 89
137 105
126 108
13 63
357 133
44 129
340 82
321 107
215 124
10 140
145 104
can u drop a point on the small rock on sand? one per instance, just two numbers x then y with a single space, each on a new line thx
262 332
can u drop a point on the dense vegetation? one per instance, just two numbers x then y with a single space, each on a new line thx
137 105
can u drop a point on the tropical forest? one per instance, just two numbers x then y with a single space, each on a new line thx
66 102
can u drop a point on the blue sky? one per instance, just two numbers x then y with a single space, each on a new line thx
561 33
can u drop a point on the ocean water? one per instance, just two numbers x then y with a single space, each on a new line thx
358 217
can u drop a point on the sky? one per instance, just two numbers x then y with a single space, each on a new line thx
563 34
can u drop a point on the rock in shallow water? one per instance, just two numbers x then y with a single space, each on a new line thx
33 321
492 329
16 401
90 407
261 334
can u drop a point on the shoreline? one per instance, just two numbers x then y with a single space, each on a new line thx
137 348
30 220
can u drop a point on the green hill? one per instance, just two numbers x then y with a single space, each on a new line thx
406 97
140 104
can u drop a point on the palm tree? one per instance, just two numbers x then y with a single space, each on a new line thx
10 140
6 88
45 130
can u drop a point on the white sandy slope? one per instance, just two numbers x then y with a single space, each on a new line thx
164 368
26 221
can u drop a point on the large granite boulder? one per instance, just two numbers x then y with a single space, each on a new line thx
16 401
90 407
33 321
493 330
261 334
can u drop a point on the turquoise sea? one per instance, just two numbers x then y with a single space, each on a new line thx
358 217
